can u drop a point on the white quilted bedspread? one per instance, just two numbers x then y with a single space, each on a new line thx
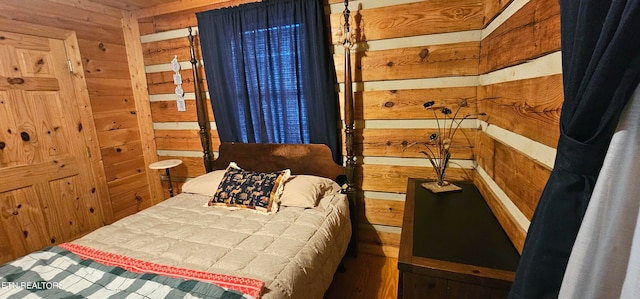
294 251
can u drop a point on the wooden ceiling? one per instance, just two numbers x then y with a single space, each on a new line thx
134 4
147 8
148 5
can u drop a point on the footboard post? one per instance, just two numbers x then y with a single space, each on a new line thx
349 131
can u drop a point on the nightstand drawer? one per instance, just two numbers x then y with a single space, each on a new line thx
431 287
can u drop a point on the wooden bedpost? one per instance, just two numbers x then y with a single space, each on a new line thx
201 108
349 127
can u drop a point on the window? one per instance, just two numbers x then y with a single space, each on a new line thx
270 73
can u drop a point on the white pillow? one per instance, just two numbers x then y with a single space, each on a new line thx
206 184
306 190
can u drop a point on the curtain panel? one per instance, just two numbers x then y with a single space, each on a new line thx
605 259
601 67
270 73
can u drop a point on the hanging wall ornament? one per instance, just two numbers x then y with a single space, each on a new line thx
177 80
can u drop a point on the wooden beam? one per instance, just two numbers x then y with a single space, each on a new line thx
165 111
183 140
393 178
532 32
434 61
383 212
412 19
520 178
529 107
407 103
177 6
391 142
141 98
161 52
162 82
493 8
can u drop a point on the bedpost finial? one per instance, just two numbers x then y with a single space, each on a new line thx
346 11
348 38
190 38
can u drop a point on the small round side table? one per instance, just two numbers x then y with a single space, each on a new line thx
166 165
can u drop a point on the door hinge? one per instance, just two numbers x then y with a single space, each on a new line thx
70 66
88 152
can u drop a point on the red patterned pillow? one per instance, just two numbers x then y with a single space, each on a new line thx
247 189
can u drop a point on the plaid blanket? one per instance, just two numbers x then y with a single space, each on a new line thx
57 272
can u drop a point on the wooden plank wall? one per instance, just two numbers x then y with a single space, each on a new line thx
102 46
408 52
520 88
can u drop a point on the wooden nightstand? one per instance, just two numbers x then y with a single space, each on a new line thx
453 247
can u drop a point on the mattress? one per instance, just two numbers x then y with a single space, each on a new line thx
295 251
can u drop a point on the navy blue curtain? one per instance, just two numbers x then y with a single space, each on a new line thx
601 68
270 73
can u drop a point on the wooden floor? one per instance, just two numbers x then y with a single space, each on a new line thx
368 276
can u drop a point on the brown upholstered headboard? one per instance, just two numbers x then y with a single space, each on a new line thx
314 159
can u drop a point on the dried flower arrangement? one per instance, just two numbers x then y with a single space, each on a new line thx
438 146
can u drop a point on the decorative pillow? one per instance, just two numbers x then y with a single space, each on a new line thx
306 190
206 184
246 189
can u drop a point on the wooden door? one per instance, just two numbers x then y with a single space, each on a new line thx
47 187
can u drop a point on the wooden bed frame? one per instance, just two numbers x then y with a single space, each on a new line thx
315 159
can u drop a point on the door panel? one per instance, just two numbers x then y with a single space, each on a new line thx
35 63
70 208
22 222
44 161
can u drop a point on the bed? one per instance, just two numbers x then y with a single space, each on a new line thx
209 241
291 253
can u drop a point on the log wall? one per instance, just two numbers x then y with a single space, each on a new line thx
501 56
520 88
